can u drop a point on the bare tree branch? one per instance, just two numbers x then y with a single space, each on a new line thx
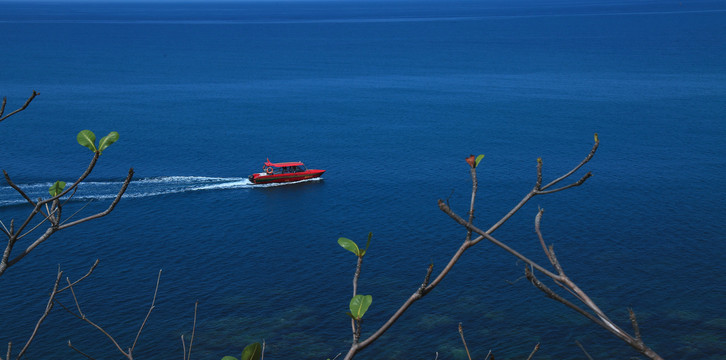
51 211
110 207
48 307
188 355
79 351
16 188
6 263
129 353
553 295
559 277
461 333
576 183
27 102
83 317
536 347
584 161
634 323
90 271
151 308
583 350
15 235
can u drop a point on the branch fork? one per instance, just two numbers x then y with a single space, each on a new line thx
557 275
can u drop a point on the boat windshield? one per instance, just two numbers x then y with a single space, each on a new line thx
286 169
292 169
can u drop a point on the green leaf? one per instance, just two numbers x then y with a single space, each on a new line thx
57 188
478 159
88 139
107 140
349 245
362 253
252 352
229 358
359 305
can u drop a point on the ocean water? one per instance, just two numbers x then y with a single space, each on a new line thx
388 97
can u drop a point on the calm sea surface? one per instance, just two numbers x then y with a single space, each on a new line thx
389 98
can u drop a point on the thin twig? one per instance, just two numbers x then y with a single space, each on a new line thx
461 332
93 267
634 322
17 188
427 278
194 327
99 328
184 348
48 307
75 299
79 351
536 347
583 350
53 229
77 211
27 102
537 220
576 183
28 232
5 231
151 308
582 163
553 295
110 207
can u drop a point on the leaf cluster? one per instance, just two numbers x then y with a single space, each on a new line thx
88 139
251 352
351 246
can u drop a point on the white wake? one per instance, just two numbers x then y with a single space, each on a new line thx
141 188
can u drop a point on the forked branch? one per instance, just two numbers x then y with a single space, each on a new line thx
188 354
49 306
128 354
27 102
469 242
590 310
558 275
54 216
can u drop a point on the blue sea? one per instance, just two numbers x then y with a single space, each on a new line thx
389 97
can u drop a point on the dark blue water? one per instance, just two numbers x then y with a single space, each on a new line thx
389 98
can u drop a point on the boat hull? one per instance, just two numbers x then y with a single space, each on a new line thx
283 178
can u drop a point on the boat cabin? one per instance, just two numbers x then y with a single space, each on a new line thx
283 168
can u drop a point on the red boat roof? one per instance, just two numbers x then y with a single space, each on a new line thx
294 163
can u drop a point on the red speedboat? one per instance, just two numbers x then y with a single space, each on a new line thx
284 172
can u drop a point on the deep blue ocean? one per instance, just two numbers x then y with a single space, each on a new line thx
389 97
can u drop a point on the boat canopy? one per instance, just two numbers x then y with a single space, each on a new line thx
294 163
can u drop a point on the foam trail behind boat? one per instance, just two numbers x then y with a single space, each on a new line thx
141 188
